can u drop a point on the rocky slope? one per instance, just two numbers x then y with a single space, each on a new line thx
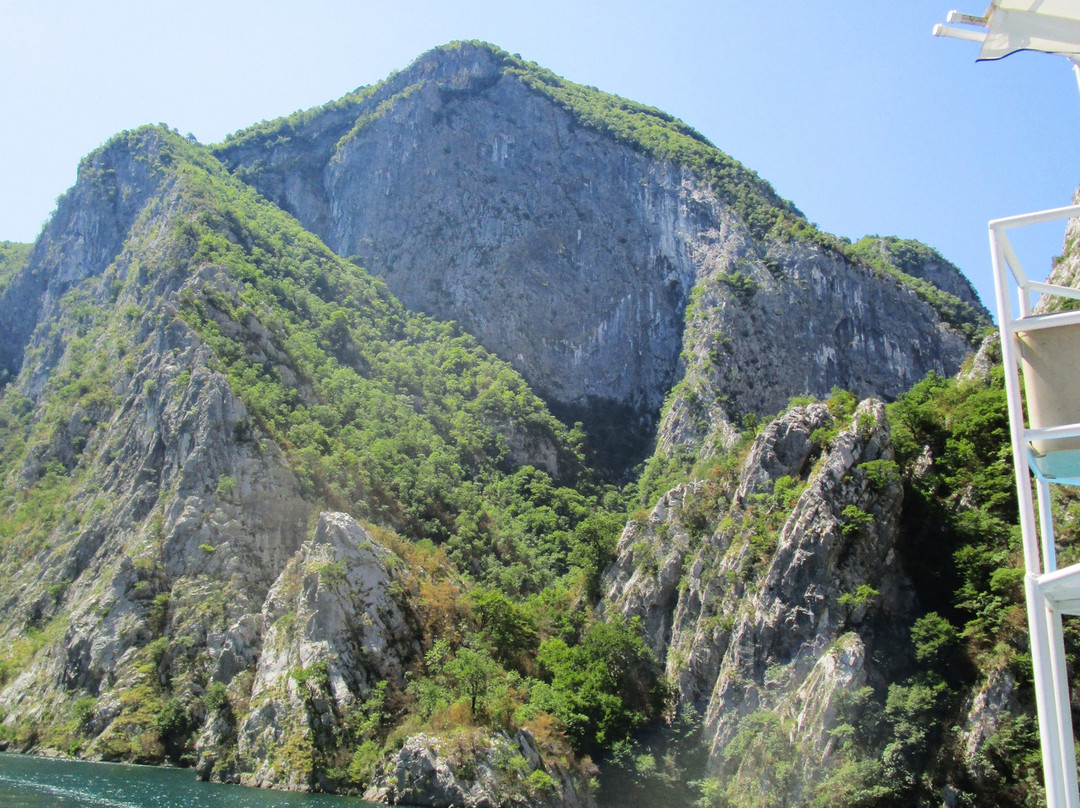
763 597
170 589
841 603
260 517
13 257
470 770
571 244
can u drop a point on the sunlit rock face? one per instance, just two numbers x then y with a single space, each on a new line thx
775 614
573 255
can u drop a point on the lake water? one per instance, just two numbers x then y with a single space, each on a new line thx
32 782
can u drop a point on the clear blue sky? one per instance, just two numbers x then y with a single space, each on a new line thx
851 108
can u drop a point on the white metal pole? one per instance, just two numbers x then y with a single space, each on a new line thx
1038 623
1070 798
1058 668
1046 703
1046 526
1014 400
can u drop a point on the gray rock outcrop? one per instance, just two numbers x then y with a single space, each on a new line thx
475 770
175 588
184 512
770 616
334 625
574 255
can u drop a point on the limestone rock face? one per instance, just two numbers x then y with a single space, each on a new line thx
573 254
989 708
476 771
185 512
173 591
644 579
783 449
335 624
83 237
800 320
919 261
773 615
1066 269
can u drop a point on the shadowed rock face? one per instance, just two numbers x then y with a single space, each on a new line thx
573 255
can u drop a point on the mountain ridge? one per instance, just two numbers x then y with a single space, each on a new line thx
263 517
568 229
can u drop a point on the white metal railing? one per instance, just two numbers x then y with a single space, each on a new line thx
1050 592
1049 448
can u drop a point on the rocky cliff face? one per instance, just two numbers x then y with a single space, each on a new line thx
1066 268
170 589
333 626
800 320
473 770
211 426
141 440
573 253
763 593
85 235
919 261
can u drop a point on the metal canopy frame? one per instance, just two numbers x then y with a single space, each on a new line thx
1048 26
1049 591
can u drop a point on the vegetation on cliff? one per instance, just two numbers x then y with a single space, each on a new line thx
648 130
393 417
900 740
902 259
138 568
12 258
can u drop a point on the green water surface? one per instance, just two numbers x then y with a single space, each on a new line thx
33 782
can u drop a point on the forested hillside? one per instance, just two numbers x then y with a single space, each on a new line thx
578 236
482 438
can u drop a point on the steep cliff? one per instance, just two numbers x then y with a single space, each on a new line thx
569 230
840 601
196 377
263 514
763 592
13 257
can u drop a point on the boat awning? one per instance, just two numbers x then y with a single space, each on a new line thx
1047 26
1008 26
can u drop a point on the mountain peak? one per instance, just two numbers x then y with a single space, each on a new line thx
469 56
189 375
567 228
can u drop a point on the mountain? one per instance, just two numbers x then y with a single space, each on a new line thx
479 438
570 230
199 376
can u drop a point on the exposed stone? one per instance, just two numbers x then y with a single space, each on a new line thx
573 256
187 561
747 623
986 358
783 449
474 770
335 624
987 709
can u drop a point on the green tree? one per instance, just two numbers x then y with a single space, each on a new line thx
594 542
472 671
603 688
509 627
